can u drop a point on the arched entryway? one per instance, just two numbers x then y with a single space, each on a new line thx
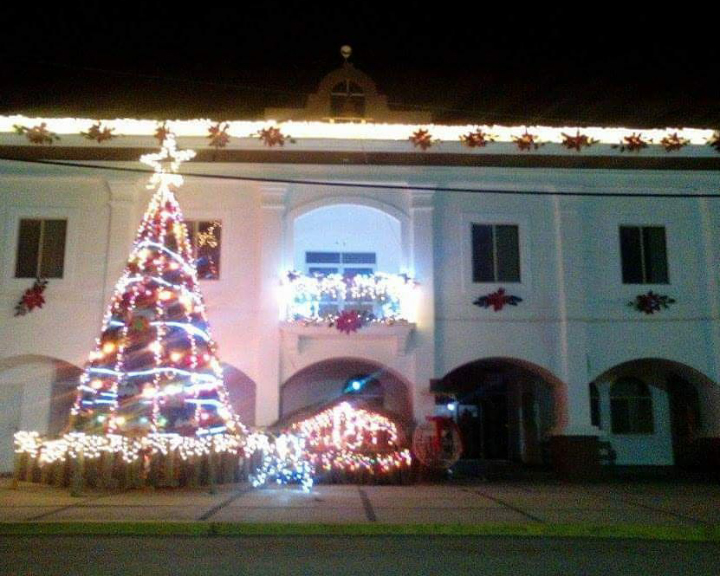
652 411
505 408
36 393
323 382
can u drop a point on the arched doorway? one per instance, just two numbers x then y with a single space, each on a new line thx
505 408
653 410
326 381
36 393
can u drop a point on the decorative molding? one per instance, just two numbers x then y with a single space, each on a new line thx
296 335
422 200
273 197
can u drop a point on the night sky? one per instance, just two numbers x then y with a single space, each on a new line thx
613 65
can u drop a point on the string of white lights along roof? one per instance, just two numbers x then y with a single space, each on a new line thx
366 186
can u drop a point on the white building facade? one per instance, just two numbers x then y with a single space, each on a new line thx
568 369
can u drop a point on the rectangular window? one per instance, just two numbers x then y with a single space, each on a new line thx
643 252
349 264
206 239
495 253
322 257
631 416
41 248
345 263
358 258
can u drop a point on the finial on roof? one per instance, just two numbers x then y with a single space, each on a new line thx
346 51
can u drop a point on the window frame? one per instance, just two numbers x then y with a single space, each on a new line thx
632 403
72 244
39 259
495 254
340 266
198 217
596 417
643 266
522 221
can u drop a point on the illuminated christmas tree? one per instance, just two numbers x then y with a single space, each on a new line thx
151 402
155 368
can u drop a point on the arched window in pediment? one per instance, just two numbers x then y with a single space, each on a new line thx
347 100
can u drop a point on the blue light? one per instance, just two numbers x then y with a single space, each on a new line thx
451 406
356 385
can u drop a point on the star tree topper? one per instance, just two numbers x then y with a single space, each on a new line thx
166 164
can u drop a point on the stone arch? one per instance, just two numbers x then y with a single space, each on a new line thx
323 382
242 391
685 410
36 393
507 407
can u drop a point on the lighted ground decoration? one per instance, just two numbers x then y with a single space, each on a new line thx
151 403
347 442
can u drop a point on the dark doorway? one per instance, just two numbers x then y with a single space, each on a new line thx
483 422
504 410
684 416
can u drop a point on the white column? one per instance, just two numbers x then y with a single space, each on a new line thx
421 259
121 232
572 337
710 397
272 210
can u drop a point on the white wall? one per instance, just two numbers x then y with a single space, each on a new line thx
25 393
575 333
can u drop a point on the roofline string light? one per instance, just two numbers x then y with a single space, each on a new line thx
241 129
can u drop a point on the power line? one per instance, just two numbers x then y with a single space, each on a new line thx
366 186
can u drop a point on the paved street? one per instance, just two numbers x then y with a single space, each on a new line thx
276 556
682 504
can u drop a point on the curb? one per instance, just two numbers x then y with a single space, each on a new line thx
710 533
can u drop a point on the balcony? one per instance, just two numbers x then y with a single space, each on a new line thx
376 306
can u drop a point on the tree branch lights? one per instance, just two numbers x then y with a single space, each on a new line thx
391 296
347 443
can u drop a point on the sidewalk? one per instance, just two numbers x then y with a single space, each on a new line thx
641 504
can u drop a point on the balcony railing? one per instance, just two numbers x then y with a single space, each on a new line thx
324 298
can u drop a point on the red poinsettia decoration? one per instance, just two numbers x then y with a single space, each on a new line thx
32 298
349 321
273 136
714 141
651 302
498 300
673 142
527 141
577 142
37 134
99 133
161 132
476 139
421 139
633 143
218 136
